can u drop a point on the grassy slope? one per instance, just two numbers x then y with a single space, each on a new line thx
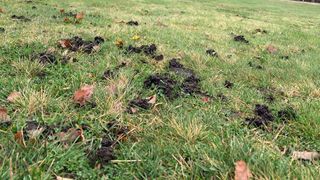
187 128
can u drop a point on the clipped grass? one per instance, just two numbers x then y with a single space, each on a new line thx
184 138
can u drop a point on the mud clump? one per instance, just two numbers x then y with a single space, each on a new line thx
148 50
104 154
141 103
240 38
191 85
263 116
164 83
45 58
287 114
21 18
78 44
228 84
132 23
178 68
111 73
212 52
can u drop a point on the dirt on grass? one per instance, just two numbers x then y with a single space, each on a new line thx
262 116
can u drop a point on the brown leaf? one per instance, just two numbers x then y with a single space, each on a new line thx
119 43
64 43
242 171
79 16
61 11
19 138
272 49
14 96
152 99
71 135
305 155
83 95
1 10
205 99
4 114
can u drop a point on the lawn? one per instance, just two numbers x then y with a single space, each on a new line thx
224 81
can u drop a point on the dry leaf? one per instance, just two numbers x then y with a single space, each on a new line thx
135 38
61 11
63 178
19 138
119 43
79 16
1 10
64 43
71 135
14 96
4 114
272 49
152 99
242 171
305 155
83 95
205 99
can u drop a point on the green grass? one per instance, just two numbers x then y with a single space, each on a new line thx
181 139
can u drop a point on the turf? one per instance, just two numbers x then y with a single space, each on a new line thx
193 136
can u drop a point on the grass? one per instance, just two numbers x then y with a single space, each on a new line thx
184 138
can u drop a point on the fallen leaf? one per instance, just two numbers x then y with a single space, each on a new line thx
61 11
205 99
119 43
63 178
83 95
4 114
305 155
19 138
272 49
135 38
64 43
14 96
96 48
242 171
79 16
152 99
71 135
1 10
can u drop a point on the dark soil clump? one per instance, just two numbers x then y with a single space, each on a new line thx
78 44
212 52
46 58
132 23
241 38
21 18
178 68
111 73
104 154
141 103
287 114
262 116
228 84
148 50
191 85
164 83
